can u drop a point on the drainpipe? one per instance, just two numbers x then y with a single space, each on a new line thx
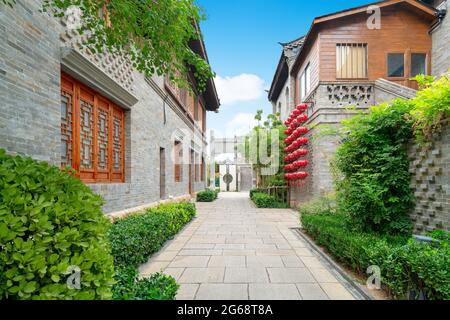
440 15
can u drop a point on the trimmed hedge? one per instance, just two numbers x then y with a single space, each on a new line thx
405 264
157 287
51 225
207 196
137 237
263 200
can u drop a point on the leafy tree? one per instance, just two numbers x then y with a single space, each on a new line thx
273 122
154 35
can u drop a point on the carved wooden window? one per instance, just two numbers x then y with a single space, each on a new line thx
92 133
351 61
178 166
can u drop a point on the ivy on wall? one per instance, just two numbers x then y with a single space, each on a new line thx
154 35
373 182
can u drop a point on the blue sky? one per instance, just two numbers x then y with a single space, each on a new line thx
242 39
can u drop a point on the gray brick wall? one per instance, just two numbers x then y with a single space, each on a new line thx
430 180
30 69
329 105
441 44
29 82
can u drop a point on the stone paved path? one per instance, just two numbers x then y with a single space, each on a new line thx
233 250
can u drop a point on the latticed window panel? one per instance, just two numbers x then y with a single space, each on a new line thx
117 141
92 134
102 138
66 128
86 135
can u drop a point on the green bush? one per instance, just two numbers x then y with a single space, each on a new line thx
158 286
50 222
253 191
137 237
263 200
405 265
375 187
207 196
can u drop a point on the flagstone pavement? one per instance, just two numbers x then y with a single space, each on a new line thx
235 251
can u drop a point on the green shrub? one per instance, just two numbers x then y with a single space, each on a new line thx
375 187
253 191
207 196
404 265
263 200
157 287
419 266
137 237
50 222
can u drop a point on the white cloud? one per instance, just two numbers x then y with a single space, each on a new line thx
241 124
244 87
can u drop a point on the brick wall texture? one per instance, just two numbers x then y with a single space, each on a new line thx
30 69
430 180
441 44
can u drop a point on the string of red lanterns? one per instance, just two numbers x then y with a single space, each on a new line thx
294 141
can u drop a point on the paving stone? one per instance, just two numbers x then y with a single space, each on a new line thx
273 292
230 246
166 255
271 252
222 292
202 275
292 262
200 252
264 261
336 291
189 262
323 275
187 291
311 291
227 261
246 275
239 252
303 252
290 275
174 272
311 262
208 265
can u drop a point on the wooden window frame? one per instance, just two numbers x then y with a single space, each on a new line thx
79 92
406 66
307 87
427 63
354 44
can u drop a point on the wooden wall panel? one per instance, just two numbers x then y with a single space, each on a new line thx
401 31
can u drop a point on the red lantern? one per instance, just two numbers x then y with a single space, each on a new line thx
302 130
302 118
302 107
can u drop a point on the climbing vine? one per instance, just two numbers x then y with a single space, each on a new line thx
154 35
